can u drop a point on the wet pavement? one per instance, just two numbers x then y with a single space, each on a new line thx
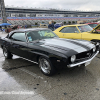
23 80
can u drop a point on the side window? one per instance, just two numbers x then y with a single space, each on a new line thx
69 30
33 35
19 37
63 30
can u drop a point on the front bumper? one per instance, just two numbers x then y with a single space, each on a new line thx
83 62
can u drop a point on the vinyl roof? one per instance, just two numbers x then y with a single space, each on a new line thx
30 29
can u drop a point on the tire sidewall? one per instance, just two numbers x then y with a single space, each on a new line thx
52 71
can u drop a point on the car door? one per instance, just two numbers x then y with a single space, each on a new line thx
70 32
33 46
19 44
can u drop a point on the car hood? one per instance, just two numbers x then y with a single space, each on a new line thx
67 45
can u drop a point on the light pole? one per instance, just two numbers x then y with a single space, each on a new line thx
3 13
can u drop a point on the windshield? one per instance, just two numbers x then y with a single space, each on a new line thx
85 28
93 25
41 34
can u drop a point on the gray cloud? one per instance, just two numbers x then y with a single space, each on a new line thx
59 4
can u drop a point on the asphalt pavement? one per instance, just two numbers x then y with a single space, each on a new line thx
23 80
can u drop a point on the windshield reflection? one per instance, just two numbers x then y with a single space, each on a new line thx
40 34
85 28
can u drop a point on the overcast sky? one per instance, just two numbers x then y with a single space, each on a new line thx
58 4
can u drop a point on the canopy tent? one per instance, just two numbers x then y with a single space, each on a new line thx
5 24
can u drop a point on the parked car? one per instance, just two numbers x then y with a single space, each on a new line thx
57 25
79 31
42 46
93 24
43 25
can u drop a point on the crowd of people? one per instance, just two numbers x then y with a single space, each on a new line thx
7 29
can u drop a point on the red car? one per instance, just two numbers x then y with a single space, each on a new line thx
93 24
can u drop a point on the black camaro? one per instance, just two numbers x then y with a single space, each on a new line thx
42 46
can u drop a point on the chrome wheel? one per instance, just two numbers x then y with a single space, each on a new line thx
44 65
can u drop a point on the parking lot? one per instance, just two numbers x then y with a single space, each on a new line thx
23 80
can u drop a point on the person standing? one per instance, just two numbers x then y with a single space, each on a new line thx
51 26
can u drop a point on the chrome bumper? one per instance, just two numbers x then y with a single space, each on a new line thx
83 62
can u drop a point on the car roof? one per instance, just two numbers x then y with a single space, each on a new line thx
76 25
93 23
29 29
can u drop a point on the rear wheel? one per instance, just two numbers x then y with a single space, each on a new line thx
6 53
46 66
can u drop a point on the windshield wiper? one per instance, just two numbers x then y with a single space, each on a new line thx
53 37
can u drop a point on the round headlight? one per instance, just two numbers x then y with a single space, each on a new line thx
94 49
73 58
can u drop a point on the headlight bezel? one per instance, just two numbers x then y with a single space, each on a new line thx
94 49
73 58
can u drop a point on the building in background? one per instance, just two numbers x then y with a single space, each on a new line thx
3 12
31 16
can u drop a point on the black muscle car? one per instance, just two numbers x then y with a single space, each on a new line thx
42 46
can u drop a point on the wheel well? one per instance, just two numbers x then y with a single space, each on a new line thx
38 58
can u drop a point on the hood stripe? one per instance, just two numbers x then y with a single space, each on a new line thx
67 45
68 52
77 43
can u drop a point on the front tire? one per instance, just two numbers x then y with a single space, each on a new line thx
46 66
6 53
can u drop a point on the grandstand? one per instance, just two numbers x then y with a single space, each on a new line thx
31 16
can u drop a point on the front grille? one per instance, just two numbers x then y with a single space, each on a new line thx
83 55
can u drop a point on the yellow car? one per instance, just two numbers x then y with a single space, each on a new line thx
79 31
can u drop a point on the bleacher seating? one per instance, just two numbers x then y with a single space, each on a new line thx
33 20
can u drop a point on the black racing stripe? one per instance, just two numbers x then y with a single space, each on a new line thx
84 46
69 52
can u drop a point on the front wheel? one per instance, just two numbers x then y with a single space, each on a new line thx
6 53
46 66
